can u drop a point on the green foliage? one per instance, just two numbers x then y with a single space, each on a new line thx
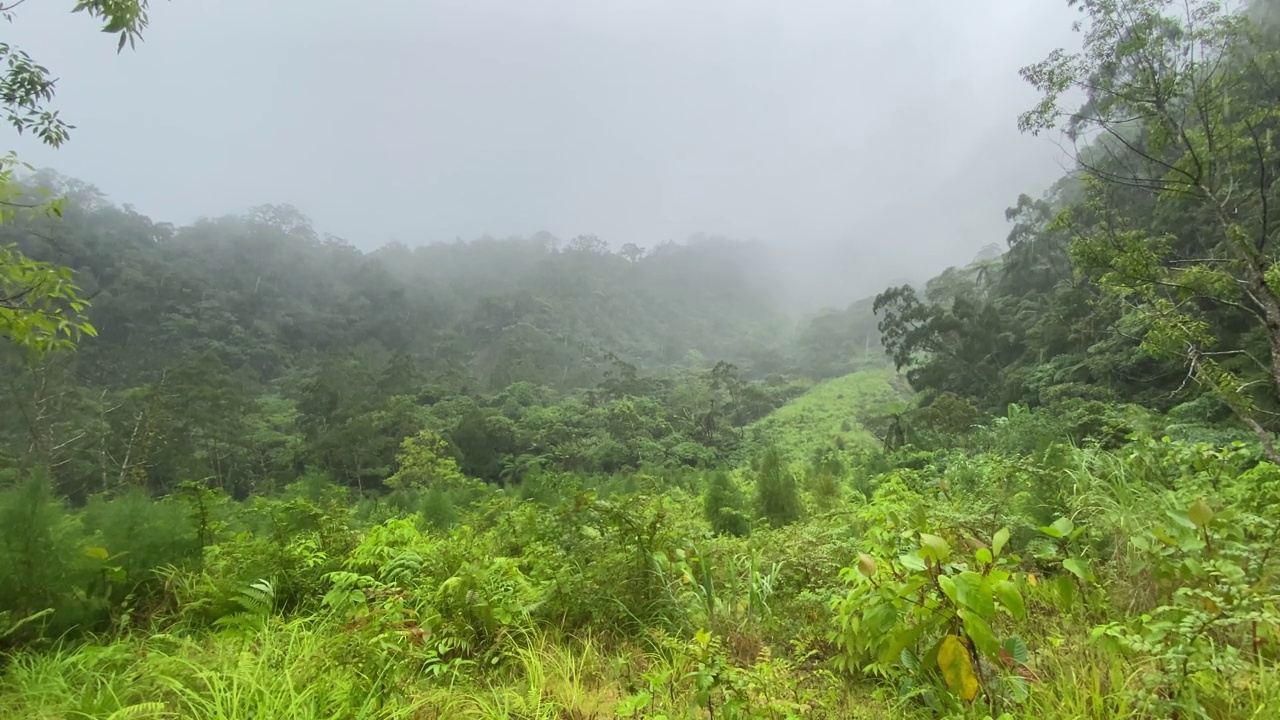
40 557
1197 268
970 582
833 410
777 493
839 342
1217 613
724 506
922 611
26 87
40 308
424 463
246 395
501 479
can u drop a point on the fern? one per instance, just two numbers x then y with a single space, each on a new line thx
140 710
256 602
403 567
258 598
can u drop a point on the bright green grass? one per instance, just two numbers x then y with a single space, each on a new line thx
303 670
836 408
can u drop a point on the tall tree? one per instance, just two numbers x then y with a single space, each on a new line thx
1177 136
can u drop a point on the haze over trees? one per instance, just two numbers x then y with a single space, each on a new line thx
251 470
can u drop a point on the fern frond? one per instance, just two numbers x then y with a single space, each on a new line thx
140 710
258 598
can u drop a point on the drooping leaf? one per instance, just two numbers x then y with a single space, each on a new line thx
979 632
1064 592
1200 513
866 565
948 585
1011 598
1180 518
934 547
909 661
957 668
912 562
1078 567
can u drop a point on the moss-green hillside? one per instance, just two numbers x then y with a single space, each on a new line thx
832 411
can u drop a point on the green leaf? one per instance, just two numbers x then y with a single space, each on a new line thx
934 547
1200 513
138 711
1078 567
979 632
1011 599
1060 528
974 592
1017 649
909 661
912 562
999 541
948 585
702 638
1180 518
983 556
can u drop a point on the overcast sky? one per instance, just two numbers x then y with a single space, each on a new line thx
873 128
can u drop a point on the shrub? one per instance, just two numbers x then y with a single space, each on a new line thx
723 504
777 496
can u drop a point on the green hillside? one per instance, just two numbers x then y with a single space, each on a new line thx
834 411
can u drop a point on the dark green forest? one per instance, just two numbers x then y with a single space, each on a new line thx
248 469
246 351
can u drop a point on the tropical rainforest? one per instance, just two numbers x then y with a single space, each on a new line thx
249 470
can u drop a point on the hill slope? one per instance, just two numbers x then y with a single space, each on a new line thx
834 411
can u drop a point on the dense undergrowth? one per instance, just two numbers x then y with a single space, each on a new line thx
982 580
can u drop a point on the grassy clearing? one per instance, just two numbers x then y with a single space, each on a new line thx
833 412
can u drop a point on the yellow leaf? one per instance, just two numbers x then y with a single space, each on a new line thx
866 565
1031 580
957 668
97 553
703 638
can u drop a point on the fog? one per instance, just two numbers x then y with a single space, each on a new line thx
872 140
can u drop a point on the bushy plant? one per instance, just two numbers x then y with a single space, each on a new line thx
723 505
1217 611
46 564
777 495
142 534
925 617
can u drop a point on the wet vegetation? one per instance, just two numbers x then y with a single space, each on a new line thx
250 470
